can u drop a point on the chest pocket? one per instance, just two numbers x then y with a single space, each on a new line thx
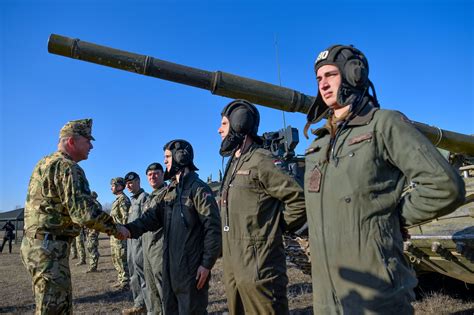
245 179
358 147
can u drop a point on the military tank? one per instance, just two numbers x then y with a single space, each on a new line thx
444 245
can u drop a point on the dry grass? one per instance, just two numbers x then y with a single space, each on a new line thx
93 294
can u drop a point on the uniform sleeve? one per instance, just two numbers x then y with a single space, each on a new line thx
439 189
151 220
208 212
123 209
283 187
75 195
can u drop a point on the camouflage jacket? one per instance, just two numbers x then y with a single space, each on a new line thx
59 200
354 204
120 207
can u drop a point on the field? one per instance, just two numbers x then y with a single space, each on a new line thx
93 293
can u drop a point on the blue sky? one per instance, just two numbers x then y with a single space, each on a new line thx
420 55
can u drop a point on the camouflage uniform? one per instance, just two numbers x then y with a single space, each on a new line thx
80 248
93 249
135 252
119 212
58 203
73 249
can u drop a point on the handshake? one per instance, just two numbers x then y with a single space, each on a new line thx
122 232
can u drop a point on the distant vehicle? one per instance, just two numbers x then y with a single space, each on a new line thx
444 245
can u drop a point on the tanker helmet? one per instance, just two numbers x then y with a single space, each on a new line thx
354 70
182 156
244 119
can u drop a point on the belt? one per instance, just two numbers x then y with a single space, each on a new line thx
52 237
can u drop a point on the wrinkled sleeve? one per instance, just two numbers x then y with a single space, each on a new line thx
124 207
76 197
283 187
208 212
438 189
150 220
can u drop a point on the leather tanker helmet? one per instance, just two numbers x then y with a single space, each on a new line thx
182 156
354 70
244 119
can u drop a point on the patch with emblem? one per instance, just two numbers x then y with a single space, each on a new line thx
360 138
314 181
243 172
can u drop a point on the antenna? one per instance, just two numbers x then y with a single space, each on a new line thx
279 76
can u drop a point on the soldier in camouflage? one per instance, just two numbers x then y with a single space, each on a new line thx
58 203
119 213
92 245
80 247
73 249
258 203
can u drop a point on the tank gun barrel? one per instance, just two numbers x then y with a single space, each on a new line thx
224 84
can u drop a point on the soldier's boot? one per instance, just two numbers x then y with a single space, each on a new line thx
134 311
74 257
93 269
81 263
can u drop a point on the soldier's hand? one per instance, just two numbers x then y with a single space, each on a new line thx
201 277
123 232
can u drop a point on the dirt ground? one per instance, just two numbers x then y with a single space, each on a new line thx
93 293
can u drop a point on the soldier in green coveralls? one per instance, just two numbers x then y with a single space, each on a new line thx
58 203
258 203
189 216
356 169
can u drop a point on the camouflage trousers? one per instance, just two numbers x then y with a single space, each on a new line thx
93 248
77 247
119 258
48 264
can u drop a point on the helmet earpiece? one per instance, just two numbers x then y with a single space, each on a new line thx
249 125
356 73
182 152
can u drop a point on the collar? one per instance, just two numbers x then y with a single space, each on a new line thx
138 193
65 155
187 180
362 118
158 190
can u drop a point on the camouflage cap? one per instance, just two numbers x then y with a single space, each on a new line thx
81 127
118 181
94 195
